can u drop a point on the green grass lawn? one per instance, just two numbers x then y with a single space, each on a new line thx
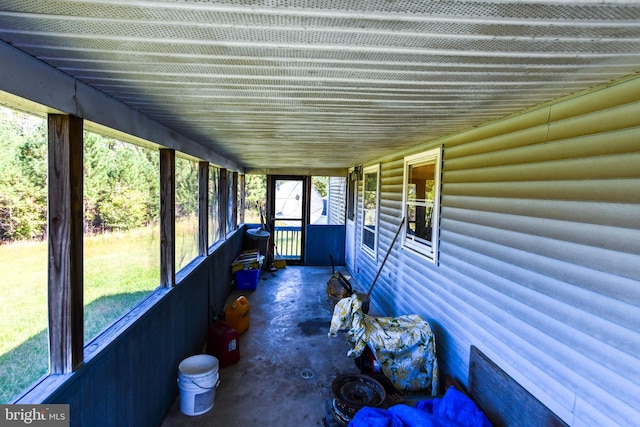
120 269
23 319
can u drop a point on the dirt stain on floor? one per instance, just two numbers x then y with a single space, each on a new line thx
315 326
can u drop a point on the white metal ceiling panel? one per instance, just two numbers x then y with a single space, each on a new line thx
327 83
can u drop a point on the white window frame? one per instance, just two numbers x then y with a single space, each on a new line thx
428 250
352 195
369 170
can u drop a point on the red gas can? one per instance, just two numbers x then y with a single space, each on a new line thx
223 342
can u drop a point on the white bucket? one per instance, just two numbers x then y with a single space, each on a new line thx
197 381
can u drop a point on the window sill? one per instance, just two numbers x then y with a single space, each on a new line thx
47 385
420 252
369 252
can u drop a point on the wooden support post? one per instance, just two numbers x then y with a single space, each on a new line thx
65 277
203 208
167 218
223 202
241 191
215 209
234 201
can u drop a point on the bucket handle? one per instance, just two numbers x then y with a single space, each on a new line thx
207 388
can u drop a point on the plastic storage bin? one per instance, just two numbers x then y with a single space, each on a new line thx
223 342
250 259
237 314
247 280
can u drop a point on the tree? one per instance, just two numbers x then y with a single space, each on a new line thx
255 187
321 184
120 181
186 187
121 185
23 168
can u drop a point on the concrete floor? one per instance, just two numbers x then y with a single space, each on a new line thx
286 342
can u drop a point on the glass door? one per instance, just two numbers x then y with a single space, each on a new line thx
288 213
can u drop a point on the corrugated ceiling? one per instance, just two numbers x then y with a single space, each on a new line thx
326 83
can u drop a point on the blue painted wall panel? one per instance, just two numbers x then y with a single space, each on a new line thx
133 380
322 240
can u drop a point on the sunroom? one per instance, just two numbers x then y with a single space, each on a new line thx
499 139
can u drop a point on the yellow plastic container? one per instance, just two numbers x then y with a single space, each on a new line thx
237 314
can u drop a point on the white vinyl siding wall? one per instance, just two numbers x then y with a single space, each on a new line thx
336 200
539 253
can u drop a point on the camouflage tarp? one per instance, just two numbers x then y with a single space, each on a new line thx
404 346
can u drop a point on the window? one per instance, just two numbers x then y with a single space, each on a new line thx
327 200
240 199
24 345
186 206
121 210
421 202
231 200
255 187
370 209
214 206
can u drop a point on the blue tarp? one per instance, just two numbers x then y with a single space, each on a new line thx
454 409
